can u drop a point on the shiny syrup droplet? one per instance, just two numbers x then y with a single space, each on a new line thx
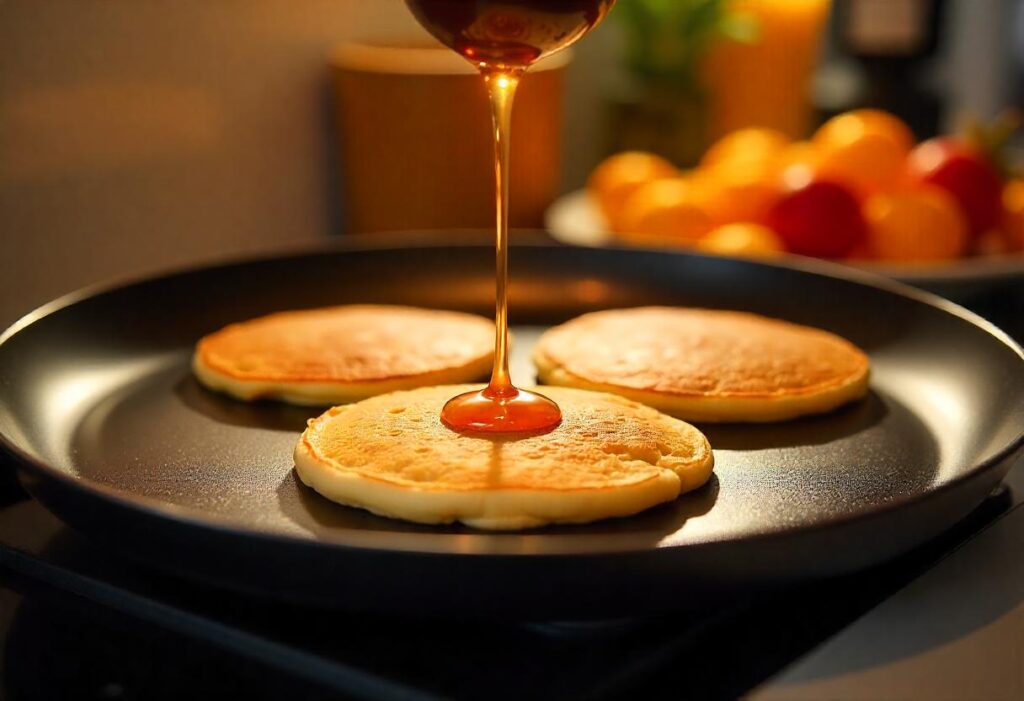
515 411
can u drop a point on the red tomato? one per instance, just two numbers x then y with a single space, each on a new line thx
817 217
963 173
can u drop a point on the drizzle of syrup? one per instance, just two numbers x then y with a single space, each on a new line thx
502 38
501 407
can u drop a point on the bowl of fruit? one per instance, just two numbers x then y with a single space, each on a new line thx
944 214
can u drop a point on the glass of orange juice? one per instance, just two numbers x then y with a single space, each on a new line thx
766 82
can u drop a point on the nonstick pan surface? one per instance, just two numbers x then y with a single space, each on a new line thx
113 434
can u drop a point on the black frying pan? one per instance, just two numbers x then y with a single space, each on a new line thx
116 437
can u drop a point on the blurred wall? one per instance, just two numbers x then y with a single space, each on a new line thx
145 134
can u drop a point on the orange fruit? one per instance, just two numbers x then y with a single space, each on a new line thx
672 210
865 149
992 242
744 239
619 176
798 153
872 121
734 193
745 146
1013 216
922 224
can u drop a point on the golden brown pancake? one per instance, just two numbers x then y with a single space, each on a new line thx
342 354
705 365
609 457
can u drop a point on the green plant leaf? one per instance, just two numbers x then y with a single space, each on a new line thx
741 27
668 38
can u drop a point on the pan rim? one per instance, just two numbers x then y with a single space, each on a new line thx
185 516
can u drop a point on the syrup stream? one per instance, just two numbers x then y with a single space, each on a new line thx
501 407
501 88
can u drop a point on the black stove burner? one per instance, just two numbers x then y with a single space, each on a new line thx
81 622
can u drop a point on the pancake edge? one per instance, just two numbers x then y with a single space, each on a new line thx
306 393
736 408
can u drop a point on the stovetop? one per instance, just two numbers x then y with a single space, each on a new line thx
80 621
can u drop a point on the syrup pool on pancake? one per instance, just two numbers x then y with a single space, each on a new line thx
502 38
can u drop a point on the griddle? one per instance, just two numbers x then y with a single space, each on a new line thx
112 434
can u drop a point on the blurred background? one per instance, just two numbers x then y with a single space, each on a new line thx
144 135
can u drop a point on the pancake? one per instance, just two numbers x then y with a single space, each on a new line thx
343 354
705 365
609 457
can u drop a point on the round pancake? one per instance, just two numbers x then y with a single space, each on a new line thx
705 365
343 354
609 457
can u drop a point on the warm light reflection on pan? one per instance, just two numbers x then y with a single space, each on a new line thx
67 395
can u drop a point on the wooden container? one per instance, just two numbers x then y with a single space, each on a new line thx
416 143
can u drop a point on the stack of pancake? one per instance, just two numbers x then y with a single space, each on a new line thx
627 379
